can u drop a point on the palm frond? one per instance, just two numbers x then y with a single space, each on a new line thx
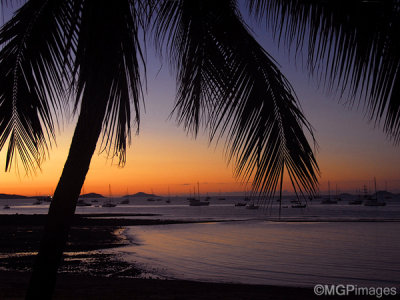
353 47
33 64
177 25
106 69
228 83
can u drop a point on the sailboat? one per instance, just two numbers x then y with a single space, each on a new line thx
82 202
252 206
38 201
240 203
358 201
246 199
152 194
329 200
373 200
108 203
337 197
198 202
298 204
168 200
126 200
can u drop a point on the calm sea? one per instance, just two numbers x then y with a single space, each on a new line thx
333 244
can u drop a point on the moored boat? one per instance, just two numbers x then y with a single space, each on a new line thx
355 202
44 198
329 200
372 200
109 204
125 201
252 206
299 205
197 202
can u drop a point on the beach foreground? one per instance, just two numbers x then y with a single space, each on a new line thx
89 274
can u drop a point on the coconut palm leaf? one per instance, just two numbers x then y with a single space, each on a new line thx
57 50
106 69
352 46
228 83
33 64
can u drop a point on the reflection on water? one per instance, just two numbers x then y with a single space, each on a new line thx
256 252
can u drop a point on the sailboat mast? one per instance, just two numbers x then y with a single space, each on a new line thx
329 190
198 189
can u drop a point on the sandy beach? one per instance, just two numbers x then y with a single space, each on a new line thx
87 274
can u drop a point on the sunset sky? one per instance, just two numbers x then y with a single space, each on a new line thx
351 151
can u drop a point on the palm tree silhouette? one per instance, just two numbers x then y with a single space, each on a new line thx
90 52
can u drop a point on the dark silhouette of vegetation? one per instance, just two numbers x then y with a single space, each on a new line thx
90 52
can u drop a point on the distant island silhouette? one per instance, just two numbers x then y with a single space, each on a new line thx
140 194
91 195
12 196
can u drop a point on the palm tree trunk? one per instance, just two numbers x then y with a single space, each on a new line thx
62 207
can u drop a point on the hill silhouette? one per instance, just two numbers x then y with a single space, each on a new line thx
140 194
11 196
91 195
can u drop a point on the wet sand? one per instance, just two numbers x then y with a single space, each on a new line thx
87 273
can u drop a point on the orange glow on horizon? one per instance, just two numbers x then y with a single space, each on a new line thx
156 164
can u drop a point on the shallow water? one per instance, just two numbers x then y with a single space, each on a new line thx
259 252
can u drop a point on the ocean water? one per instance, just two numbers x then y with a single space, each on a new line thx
263 252
332 244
